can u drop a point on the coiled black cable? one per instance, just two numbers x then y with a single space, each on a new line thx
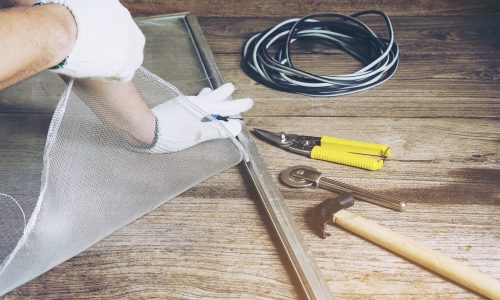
378 55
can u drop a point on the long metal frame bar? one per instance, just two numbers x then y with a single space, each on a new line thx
308 273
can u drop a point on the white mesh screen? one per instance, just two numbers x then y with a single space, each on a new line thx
92 184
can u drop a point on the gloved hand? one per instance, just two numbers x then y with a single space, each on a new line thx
109 45
180 127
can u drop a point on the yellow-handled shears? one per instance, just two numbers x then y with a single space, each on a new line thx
341 151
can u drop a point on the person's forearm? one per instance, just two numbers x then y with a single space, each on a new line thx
33 39
120 106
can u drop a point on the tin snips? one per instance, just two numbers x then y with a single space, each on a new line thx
341 151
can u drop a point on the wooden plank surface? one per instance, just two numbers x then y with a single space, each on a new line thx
440 114
258 8
449 68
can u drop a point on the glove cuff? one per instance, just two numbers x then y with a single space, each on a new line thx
157 130
108 43
156 146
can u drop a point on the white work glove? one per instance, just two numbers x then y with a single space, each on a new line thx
180 127
109 45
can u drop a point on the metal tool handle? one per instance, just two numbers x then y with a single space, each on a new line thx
362 194
431 259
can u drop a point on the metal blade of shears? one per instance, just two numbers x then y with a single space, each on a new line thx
277 139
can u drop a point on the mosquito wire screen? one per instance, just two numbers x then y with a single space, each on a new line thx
92 183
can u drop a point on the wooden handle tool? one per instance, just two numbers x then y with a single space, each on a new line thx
424 256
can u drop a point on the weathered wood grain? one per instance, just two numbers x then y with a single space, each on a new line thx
453 160
215 248
418 90
444 70
449 68
439 114
446 37
261 8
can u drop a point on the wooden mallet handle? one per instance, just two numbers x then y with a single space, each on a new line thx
433 260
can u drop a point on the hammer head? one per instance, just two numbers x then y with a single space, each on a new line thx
326 210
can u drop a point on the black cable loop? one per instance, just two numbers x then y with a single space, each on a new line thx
378 55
